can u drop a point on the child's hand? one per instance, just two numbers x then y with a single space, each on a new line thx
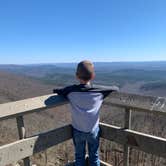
55 90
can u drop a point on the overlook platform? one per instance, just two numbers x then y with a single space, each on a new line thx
26 147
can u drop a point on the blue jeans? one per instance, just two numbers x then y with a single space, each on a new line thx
92 139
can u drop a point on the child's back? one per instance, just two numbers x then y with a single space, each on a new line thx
85 101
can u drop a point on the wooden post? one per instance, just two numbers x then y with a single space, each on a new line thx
127 125
22 135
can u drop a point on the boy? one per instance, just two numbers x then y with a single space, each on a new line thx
85 101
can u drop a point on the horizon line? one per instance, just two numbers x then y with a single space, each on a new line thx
52 63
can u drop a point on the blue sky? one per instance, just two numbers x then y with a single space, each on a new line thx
40 31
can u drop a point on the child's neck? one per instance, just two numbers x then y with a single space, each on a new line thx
85 82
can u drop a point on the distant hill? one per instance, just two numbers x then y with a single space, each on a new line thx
15 87
154 85
129 76
156 88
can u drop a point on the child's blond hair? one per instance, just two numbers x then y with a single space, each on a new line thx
85 70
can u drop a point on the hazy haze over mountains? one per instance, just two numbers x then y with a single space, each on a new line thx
134 77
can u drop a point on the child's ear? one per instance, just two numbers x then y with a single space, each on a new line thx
77 77
93 76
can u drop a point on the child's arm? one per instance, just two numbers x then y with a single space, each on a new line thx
63 91
58 91
108 91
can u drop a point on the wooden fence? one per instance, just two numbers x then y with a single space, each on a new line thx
26 147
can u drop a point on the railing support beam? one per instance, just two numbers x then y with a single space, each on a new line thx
22 135
127 125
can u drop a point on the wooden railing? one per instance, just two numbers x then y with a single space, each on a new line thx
26 147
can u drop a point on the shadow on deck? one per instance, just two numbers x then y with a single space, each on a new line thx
102 163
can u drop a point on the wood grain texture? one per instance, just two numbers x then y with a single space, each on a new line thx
144 142
18 150
21 107
22 135
29 146
102 163
127 125
139 102
135 102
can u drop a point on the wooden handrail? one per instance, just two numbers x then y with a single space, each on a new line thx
21 149
22 107
28 146
136 102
